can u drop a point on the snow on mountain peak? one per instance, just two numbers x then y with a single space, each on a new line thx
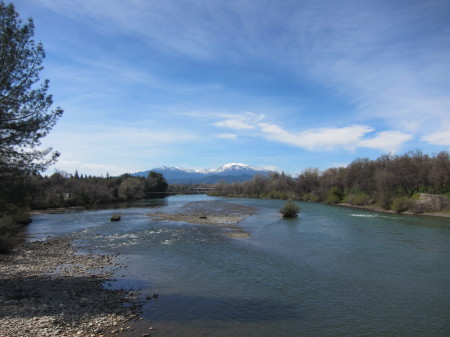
229 167
231 171
224 168
236 166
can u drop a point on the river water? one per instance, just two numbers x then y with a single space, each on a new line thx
333 271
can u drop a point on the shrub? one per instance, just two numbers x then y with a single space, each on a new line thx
277 195
415 197
10 231
334 195
400 204
357 198
290 210
360 199
314 197
306 197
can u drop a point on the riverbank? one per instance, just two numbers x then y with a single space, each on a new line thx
382 210
47 289
213 213
425 204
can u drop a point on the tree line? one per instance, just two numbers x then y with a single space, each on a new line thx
390 181
65 190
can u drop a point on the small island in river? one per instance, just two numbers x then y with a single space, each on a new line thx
215 213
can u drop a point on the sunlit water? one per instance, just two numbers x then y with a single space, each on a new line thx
333 271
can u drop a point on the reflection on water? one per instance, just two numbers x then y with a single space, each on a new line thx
332 271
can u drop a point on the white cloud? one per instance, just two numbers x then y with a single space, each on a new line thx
100 136
332 138
348 138
271 168
226 136
390 62
234 124
389 141
385 59
245 121
337 165
117 149
91 168
438 138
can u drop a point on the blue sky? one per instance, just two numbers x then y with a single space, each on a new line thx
285 85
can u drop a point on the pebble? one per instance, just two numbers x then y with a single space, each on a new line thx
51 282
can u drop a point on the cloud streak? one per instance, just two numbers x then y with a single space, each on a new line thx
362 51
347 138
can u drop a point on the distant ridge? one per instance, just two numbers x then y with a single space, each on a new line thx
229 173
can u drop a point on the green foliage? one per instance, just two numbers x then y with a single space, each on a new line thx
8 229
25 118
64 190
314 197
334 195
11 228
24 105
290 210
415 197
361 199
277 195
357 198
306 197
155 183
400 204
365 181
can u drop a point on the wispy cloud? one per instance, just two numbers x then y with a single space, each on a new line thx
390 61
245 121
317 139
348 138
231 136
438 138
92 168
386 59
115 147
236 124
388 141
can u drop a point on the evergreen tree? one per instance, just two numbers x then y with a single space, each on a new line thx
24 103
155 182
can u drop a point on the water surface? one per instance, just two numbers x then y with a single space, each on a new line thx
333 271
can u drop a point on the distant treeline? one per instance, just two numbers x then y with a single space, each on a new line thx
64 190
390 181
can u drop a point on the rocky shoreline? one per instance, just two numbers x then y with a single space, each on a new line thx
382 210
47 289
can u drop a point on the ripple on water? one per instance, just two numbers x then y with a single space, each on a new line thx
364 215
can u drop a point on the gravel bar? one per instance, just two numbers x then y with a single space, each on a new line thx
215 213
47 289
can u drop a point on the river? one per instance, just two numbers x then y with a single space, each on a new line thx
333 271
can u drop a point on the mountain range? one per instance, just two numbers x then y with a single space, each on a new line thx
229 173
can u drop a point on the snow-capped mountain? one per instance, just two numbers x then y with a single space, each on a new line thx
232 168
229 172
